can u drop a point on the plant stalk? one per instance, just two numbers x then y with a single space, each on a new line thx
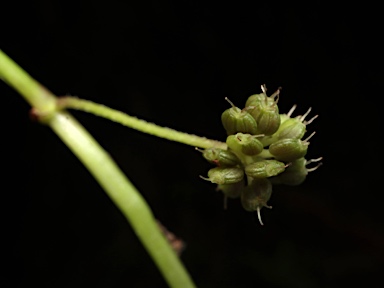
103 169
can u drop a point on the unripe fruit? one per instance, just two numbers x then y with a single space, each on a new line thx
289 149
220 157
264 168
255 99
294 127
236 120
265 111
232 190
226 175
246 144
256 195
296 173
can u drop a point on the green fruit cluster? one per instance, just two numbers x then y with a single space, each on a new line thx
264 148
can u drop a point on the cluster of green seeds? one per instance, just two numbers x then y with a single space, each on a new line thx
264 148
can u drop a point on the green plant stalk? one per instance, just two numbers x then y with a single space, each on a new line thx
138 124
103 168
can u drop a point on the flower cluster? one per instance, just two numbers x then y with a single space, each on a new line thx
264 148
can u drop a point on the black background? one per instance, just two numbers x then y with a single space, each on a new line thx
173 62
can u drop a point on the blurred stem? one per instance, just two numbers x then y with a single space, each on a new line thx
102 167
138 124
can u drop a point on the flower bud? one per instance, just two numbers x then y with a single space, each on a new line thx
296 173
236 120
220 157
264 168
265 111
255 100
246 144
256 195
267 118
232 190
283 118
288 149
226 175
294 127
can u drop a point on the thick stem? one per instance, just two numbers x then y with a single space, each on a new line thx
103 168
123 194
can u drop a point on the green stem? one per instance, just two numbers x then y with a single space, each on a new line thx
103 168
138 124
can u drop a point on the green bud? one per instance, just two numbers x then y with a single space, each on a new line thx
246 144
256 195
292 128
255 100
220 157
283 118
265 111
267 118
226 175
264 168
236 120
289 150
296 173
232 190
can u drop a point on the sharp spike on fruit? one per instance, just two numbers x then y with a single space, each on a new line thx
310 136
313 160
229 101
264 88
306 114
290 112
258 215
314 168
311 120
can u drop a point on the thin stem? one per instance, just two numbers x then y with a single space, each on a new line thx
103 168
138 124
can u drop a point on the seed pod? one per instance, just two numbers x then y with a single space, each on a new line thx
268 140
264 168
256 195
268 121
236 120
265 111
283 118
267 118
221 157
246 144
296 173
226 175
291 178
288 149
232 190
255 100
292 128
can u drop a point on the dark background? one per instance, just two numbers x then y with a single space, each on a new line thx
173 62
